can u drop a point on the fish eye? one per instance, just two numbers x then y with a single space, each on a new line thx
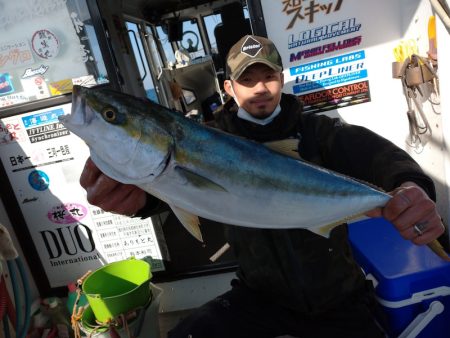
109 114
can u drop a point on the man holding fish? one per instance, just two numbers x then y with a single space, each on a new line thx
291 281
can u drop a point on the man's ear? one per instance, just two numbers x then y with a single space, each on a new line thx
282 79
227 86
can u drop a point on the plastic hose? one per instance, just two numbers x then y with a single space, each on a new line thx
6 326
27 295
3 297
17 299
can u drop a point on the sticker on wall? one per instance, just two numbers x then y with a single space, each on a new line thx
35 87
41 118
45 44
29 72
77 23
326 48
15 54
12 99
85 81
85 54
11 130
67 213
337 97
61 87
329 72
6 85
38 180
44 126
322 33
29 200
18 160
298 11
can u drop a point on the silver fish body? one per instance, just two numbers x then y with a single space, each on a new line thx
201 171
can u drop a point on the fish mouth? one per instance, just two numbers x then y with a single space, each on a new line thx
80 114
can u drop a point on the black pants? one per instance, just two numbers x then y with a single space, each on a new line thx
242 313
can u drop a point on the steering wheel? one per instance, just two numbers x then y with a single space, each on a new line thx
190 41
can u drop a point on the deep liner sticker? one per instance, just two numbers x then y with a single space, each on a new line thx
327 73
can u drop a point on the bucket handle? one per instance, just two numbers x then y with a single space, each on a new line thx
77 312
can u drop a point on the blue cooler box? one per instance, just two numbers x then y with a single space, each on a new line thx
412 283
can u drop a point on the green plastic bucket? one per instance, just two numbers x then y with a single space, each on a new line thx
145 325
118 288
89 325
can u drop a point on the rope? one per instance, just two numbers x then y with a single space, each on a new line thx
120 321
77 313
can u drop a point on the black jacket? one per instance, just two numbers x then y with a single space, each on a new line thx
297 268
303 270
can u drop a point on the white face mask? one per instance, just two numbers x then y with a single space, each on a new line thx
243 114
234 94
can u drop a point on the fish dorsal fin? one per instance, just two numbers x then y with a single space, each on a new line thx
287 147
197 180
189 221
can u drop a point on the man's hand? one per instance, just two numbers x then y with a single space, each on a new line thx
110 195
413 213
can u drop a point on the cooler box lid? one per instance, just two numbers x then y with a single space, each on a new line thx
400 267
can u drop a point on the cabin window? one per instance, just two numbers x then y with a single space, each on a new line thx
210 22
166 45
45 50
158 62
141 61
192 40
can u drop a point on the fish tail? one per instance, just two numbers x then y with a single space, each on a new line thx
437 248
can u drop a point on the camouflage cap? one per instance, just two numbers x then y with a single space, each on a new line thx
249 50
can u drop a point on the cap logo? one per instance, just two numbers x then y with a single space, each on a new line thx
251 47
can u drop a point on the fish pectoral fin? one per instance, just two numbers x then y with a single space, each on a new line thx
189 221
325 230
287 147
197 180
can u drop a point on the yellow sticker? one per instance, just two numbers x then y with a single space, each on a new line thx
61 87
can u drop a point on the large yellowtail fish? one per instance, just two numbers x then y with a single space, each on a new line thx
201 171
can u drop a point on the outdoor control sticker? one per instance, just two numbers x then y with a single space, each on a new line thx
337 97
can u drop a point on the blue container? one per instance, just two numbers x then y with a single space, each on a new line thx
412 283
